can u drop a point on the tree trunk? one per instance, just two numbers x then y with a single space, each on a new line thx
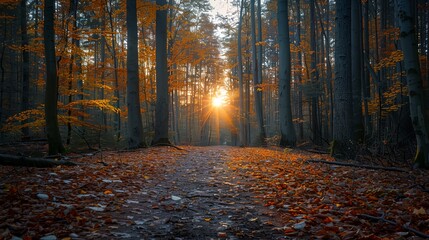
316 133
343 114
25 64
260 137
366 86
135 128
51 94
356 55
287 130
117 120
242 134
161 112
299 65
419 117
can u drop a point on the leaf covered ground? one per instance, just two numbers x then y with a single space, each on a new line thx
211 193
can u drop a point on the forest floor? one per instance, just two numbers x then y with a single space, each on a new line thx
211 193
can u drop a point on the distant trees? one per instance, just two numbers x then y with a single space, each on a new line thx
120 73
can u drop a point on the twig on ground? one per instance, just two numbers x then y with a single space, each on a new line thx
381 218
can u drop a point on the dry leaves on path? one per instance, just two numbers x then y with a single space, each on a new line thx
333 202
75 201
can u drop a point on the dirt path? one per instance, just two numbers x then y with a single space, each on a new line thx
198 197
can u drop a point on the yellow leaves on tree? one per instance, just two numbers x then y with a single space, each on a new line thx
390 100
35 118
390 61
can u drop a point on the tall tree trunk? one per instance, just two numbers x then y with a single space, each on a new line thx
135 127
316 133
299 65
25 64
356 55
161 112
287 130
103 117
74 60
51 94
260 137
241 125
117 120
343 108
419 117
366 86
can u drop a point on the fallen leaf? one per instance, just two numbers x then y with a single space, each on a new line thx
420 211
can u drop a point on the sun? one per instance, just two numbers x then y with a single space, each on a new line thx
220 98
218 101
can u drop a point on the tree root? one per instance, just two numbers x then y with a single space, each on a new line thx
381 218
357 165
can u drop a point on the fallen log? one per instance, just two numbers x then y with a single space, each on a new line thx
13 160
357 165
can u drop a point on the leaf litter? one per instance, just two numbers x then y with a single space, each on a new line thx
211 192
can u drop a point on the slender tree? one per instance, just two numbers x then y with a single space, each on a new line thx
135 127
161 112
51 93
419 117
287 130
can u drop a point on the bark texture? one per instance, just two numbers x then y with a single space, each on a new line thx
419 118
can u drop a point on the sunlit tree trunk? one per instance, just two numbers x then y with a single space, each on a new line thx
419 117
287 130
135 128
260 136
161 112
25 64
343 108
51 94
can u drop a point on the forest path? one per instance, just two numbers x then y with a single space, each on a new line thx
216 192
197 197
